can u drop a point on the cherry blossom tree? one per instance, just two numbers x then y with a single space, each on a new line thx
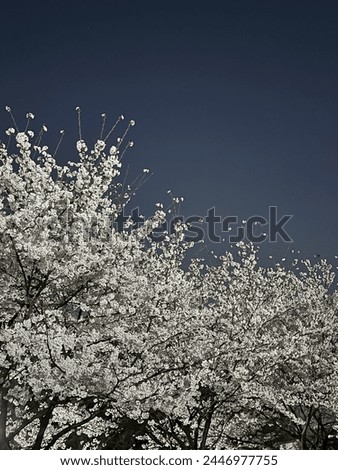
269 377
107 341
92 317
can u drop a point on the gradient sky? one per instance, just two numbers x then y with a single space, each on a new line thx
236 102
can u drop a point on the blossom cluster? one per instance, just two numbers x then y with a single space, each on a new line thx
108 336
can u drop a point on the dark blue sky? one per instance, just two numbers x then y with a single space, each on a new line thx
236 102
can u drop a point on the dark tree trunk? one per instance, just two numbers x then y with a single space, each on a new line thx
3 424
303 438
44 421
